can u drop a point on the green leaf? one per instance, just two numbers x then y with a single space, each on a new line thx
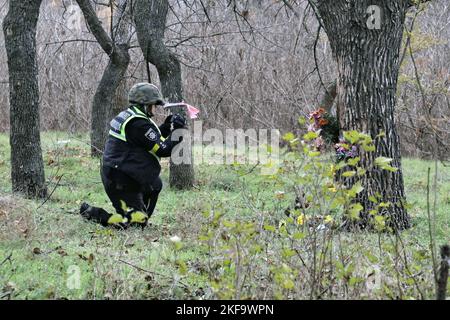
269 228
391 169
298 235
340 165
380 222
354 161
287 253
204 238
348 174
361 171
289 137
313 154
357 188
368 147
351 136
256 249
205 213
288 284
228 224
354 280
385 204
381 134
178 245
384 163
227 262
310 136
302 121
182 267
381 161
354 210
372 258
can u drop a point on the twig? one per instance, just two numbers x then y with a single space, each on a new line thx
287 4
8 258
316 42
431 229
151 272
69 41
205 11
252 169
6 294
51 193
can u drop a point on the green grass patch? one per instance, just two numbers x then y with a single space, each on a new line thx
49 252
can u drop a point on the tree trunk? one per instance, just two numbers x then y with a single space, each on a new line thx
150 20
104 102
116 47
368 64
121 97
27 166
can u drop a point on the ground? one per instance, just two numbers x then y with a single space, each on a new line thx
46 246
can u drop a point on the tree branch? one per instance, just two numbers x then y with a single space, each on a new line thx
289 5
96 26
412 3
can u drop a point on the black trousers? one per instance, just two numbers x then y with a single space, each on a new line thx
120 187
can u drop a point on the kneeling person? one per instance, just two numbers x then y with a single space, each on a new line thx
131 168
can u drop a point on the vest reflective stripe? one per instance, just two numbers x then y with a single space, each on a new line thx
155 148
118 124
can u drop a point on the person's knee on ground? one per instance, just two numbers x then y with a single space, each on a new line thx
133 211
137 218
125 195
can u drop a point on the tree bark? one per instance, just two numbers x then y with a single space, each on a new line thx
443 273
121 97
150 20
327 100
104 102
368 66
27 166
116 47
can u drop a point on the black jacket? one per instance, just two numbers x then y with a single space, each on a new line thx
133 156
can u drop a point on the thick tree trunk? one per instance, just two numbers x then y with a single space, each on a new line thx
116 47
368 66
27 166
150 20
104 102
121 97
329 95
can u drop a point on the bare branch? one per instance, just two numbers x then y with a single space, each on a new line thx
289 5
96 26
416 2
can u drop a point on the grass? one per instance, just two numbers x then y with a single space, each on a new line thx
44 247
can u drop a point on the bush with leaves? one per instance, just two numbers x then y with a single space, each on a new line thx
283 252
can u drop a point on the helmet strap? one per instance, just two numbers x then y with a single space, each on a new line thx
148 111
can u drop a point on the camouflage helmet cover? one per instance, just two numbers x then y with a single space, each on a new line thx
144 94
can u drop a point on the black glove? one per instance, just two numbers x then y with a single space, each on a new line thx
168 120
178 121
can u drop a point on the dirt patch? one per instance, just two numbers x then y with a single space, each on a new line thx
15 218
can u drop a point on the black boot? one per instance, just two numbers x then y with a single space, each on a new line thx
98 215
83 209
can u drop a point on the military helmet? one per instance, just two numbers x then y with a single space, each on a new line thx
144 94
